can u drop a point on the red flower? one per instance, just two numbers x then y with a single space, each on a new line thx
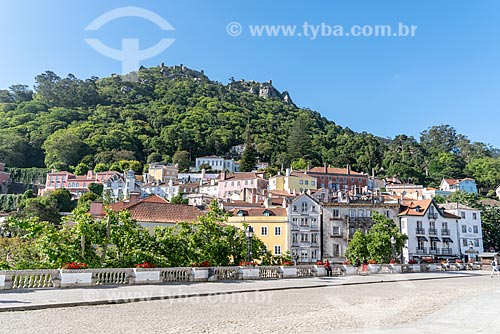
74 265
201 264
288 263
145 265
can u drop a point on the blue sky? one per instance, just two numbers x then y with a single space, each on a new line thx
449 73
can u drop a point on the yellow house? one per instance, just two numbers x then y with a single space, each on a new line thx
162 172
269 225
293 182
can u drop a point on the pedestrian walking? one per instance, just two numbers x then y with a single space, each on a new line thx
494 267
328 268
357 263
365 265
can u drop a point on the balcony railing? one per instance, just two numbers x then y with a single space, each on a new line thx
422 250
420 230
445 231
295 227
433 231
446 251
434 251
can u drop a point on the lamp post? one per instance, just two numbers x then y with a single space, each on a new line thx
249 235
393 247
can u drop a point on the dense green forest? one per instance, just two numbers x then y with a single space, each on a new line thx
174 113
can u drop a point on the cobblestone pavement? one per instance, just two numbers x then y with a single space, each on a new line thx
460 304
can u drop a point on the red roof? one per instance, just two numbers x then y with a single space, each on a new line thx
157 210
332 170
260 211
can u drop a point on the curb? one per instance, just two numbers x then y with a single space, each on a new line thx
208 294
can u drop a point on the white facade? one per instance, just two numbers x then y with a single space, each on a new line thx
342 220
164 190
470 231
216 163
304 216
117 188
431 232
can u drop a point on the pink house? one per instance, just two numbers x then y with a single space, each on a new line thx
250 187
76 184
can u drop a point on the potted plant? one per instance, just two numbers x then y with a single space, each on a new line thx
75 274
146 272
248 270
288 269
415 267
200 271
319 269
395 267
373 266
430 265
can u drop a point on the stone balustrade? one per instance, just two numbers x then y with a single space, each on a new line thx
62 278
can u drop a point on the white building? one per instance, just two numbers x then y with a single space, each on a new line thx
166 190
432 232
470 232
216 163
342 220
304 216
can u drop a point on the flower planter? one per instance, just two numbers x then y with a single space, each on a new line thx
287 272
432 267
146 275
373 268
349 270
75 277
415 268
396 268
319 270
200 274
249 273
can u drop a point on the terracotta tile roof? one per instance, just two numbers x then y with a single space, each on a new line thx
253 212
155 209
242 176
281 193
332 170
301 175
452 181
414 207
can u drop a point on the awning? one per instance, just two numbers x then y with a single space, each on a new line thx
446 239
435 239
422 239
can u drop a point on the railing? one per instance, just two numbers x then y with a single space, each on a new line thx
178 274
305 270
32 279
432 215
226 273
420 230
269 272
446 251
422 250
106 276
433 231
434 251
445 231
295 227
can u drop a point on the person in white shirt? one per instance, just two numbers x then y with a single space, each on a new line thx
494 267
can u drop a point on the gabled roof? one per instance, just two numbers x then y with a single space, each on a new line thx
457 181
243 176
332 170
298 198
420 208
302 175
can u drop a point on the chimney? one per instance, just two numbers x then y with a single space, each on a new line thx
287 172
326 168
348 169
266 202
223 175
96 209
134 197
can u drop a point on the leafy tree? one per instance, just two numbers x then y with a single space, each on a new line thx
178 199
181 158
63 148
81 169
249 156
96 188
358 247
299 164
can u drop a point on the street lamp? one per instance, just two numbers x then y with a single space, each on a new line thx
393 247
249 235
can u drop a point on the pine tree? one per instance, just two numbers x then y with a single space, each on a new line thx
299 139
249 156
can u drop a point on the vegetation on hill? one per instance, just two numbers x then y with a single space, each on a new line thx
166 112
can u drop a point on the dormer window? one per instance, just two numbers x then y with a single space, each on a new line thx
240 213
267 213
417 208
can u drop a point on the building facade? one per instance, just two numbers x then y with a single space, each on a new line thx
5 179
293 182
467 185
432 232
304 216
216 163
339 179
161 172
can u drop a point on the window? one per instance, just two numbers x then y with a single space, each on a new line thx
303 254
295 208
368 213
263 230
476 243
336 250
420 244
361 213
388 213
304 207
336 213
314 238
313 208
277 230
445 225
294 221
304 237
359 179
462 214
352 179
294 238
476 228
464 242
352 213
464 229
313 222
433 245
313 183
277 250
314 254
474 215
336 230
301 181
267 213
304 222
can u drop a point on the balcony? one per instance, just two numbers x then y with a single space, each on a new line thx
433 231
445 231
446 251
295 227
314 228
422 250
432 215
420 230
434 251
